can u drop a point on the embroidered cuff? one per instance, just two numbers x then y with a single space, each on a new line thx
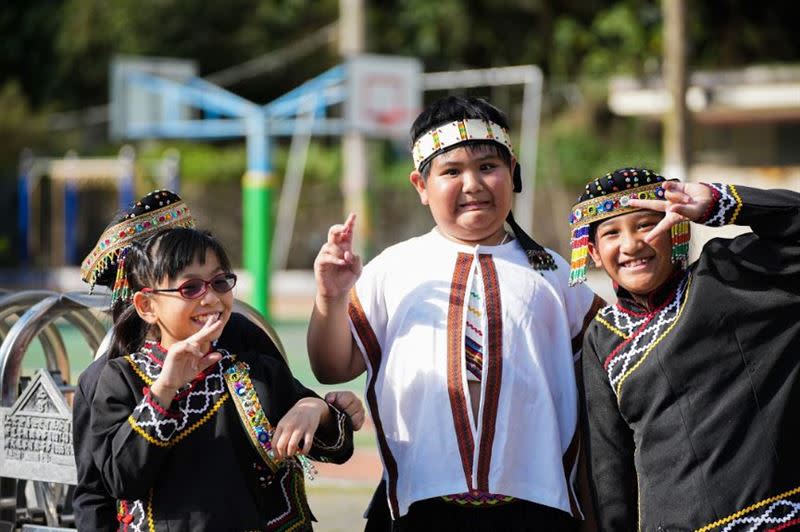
725 207
715 196
340 435
153 401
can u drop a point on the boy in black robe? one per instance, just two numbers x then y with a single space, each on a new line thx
692 379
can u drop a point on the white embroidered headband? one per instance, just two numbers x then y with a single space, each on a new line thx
447 135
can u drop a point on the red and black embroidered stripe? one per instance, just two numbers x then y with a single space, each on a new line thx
493 358
455 344
373 351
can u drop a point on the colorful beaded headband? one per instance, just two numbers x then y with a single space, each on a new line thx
610 205
447 135
158 210
610 196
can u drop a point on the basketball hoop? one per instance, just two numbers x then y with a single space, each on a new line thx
384 94
394 122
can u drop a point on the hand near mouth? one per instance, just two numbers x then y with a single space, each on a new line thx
185 359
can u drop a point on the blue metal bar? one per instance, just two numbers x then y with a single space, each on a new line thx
331 126
218 128
258 159
70 222
229 128
126 184
23 215
327 79
209 88
200 94
325 96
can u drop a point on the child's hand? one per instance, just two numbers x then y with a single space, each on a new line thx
336 268
299 424
350 404
185 359
682 201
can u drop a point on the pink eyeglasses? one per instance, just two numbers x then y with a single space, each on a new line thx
194 288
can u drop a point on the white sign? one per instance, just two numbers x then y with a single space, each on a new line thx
384 94
36 434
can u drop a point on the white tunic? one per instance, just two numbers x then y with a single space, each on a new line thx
408 315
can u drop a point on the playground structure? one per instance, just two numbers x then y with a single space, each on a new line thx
380 96
68 176
35 416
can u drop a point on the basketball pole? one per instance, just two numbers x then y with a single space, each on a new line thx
354 144
257 186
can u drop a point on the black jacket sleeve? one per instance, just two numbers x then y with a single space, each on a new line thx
95 509
771 214
609 446
773 248
127 452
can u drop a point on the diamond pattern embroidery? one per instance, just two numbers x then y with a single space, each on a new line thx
194 402
633 351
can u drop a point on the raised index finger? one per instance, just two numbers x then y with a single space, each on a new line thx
350 222
206 333
663 226
340 233
653 205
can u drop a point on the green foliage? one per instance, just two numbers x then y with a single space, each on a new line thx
213 163
624 38
20 127
581 145
323 162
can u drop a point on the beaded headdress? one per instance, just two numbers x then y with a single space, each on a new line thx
610 196
105 264
471 131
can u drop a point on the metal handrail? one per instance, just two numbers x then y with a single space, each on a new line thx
30 325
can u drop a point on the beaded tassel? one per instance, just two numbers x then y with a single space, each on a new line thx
540 259
579 260
680 243
121 290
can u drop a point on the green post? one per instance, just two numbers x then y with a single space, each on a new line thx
256 213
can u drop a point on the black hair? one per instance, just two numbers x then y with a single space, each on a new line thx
592 232
163 255
452 108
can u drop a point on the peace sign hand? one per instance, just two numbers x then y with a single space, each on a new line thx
185 359
682 202
336 267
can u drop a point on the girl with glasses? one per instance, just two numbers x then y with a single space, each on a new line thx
196 437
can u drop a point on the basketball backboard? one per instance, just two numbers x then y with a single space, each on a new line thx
132 103
384 94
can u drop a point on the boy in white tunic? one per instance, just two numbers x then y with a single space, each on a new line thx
466 334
